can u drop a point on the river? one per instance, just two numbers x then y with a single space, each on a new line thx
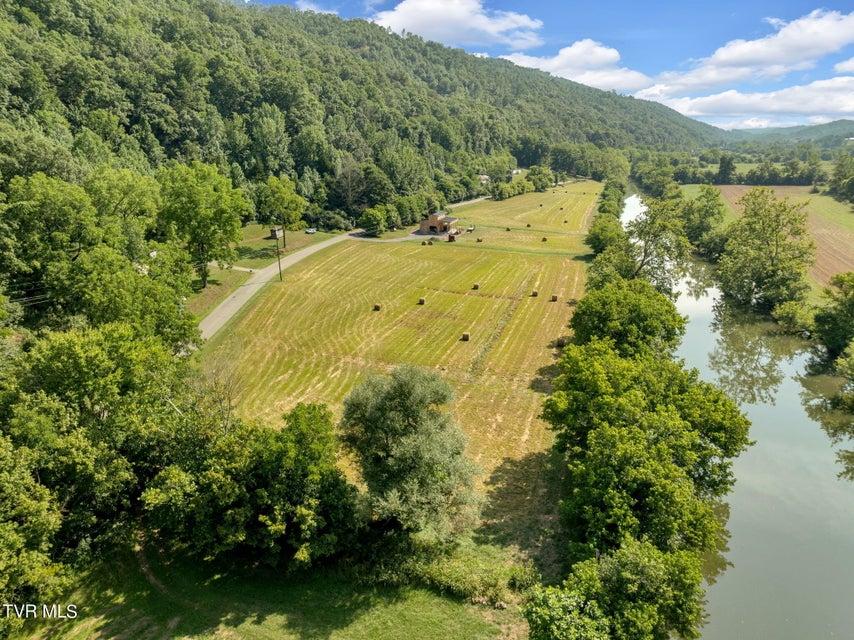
791 522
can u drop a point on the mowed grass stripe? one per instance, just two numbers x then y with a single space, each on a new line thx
313 337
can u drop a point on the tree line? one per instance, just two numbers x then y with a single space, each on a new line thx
648 446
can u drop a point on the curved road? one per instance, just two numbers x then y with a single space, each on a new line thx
217 318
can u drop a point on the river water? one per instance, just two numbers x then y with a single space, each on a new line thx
791 520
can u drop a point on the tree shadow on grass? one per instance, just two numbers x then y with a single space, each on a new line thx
196 285
250 253
542 381
522 510
155 597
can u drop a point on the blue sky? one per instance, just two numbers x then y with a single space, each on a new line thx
734 64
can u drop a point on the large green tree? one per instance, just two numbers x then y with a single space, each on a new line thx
767 254
631 313
412 456
266 495
643 592
29 517
834 323
276 201
203 209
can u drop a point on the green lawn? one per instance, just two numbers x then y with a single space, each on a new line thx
220 284
133 596
258 250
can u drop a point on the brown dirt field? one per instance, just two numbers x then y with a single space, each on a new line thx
834 243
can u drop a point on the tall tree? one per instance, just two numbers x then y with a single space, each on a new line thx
201 207
765 259
411 454
726 169
632 314
278 202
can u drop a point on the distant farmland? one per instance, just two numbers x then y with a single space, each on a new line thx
316 335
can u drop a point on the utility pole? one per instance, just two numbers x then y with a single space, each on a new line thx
278 257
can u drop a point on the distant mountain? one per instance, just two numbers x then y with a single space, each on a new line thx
830 134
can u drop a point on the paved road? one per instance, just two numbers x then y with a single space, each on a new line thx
217 318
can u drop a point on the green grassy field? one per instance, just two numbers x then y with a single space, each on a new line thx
257 250
143 596
254 251
220 284
314 336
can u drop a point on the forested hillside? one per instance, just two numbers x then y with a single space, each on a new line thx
264 91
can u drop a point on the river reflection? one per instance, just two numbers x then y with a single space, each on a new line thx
748 357
789 571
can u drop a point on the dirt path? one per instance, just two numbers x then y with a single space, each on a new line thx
217 318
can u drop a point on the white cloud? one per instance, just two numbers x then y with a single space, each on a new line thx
844 67
588 62
795 46
824 99
462 22
307 5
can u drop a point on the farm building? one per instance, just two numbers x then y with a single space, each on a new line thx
438 223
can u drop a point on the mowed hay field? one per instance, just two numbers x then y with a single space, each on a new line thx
831 224
316 335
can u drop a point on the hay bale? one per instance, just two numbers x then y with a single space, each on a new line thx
528 225
465 337
508 228
554 298
377 307
545 239
423 243
565 221
475 286
430 242
422 301
534 293
541 204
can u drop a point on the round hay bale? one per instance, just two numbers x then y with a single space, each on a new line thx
528 225
377 307
534 293
508 228
541 204
422 301
554 298
475 286
545 239
565 221
430 242
466 337
423 243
